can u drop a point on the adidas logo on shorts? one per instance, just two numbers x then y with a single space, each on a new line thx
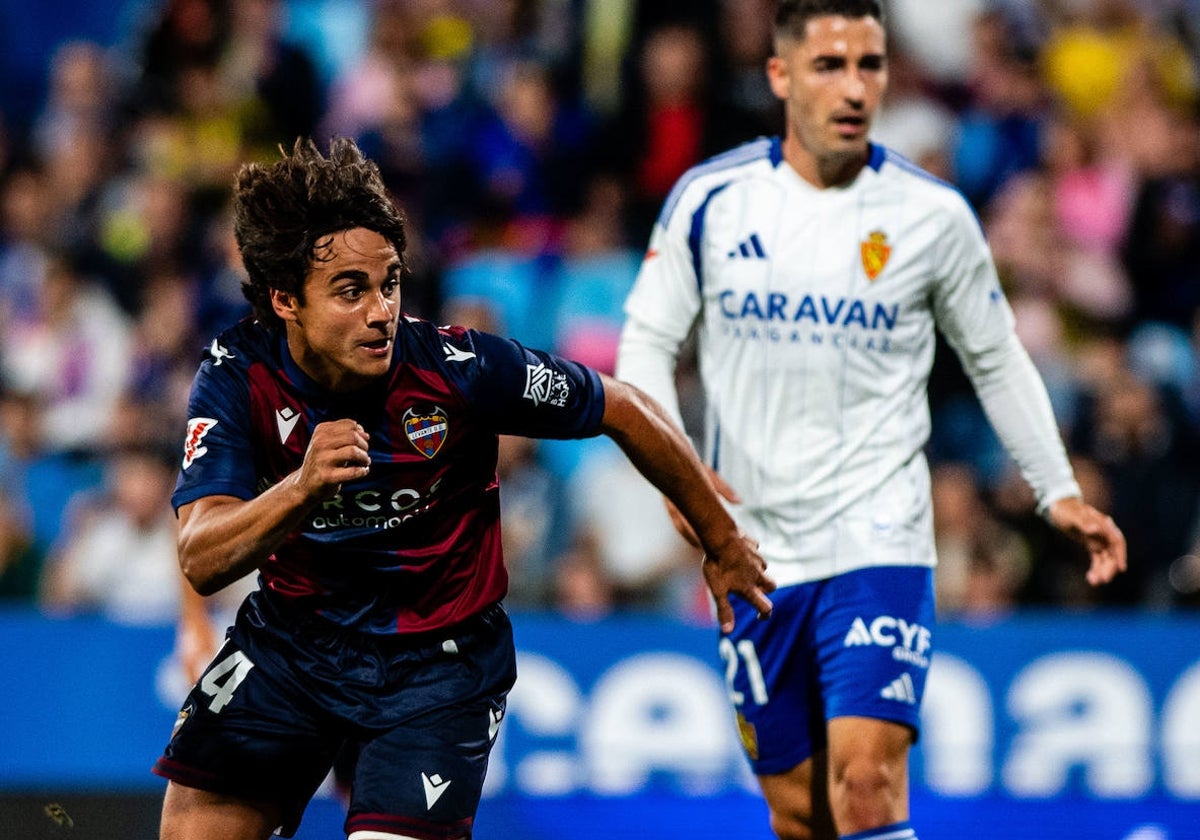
901 690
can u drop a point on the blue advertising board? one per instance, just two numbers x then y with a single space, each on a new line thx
1034 726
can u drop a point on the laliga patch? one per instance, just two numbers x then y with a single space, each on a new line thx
545 385
426 431
184 714
875 252
197 428
748 736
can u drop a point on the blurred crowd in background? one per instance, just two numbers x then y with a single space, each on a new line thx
530 144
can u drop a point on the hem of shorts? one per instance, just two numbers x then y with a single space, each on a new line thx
409 826
190 777
780 765
913 726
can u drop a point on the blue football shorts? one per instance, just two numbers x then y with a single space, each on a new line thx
857 644
268 717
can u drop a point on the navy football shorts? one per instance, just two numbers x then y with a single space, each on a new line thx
858 644
267 718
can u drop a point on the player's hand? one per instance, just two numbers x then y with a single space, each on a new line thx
680 522
337 453
738 569
1098 533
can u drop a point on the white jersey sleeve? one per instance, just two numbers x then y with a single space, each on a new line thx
660 311
977 322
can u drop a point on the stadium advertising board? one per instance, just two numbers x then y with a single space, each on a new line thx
1034 726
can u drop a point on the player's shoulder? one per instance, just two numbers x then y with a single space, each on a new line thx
918 184
426 344
744 161
240 346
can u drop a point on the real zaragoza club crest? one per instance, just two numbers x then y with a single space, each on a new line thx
875 252
427 430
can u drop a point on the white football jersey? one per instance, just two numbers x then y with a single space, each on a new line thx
816 313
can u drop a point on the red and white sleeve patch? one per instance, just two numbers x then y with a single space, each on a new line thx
197 428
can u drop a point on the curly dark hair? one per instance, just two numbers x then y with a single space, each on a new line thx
284 209
792 16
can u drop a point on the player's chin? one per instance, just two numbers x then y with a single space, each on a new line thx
368 368
850 146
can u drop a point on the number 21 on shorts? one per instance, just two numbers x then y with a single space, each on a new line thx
743 655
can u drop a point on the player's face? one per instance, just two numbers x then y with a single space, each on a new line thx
831 84
343 332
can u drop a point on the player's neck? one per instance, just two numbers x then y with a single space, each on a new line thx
825 171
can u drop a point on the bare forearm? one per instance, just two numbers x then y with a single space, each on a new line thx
222 539
663 454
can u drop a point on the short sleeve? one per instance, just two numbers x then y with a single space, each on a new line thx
217 456
520 391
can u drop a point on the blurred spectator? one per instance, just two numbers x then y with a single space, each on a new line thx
25 213
535 523
673 67
1093 186
670 119
912 120
119 559
938 35
582 590
999 133
81 100
165 347
183 34
607 27
530 155
1054 577
1162 248
1139 438
379 101
145 223
39 483
219 302
515 284
1038 259
982 564
595 273
745 43
1096 47
623 518
20 561
275 81
73 354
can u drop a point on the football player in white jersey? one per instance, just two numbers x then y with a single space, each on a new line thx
816 268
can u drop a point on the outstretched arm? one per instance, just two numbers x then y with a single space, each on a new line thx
664 455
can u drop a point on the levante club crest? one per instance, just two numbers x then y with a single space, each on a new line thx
426 430
875 252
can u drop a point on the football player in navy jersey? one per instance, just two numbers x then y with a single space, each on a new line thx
348 454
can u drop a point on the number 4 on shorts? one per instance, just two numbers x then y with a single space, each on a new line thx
237 665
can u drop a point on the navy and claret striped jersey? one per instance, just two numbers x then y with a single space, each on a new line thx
415 545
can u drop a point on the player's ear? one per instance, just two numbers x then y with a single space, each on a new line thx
284 304
778 76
